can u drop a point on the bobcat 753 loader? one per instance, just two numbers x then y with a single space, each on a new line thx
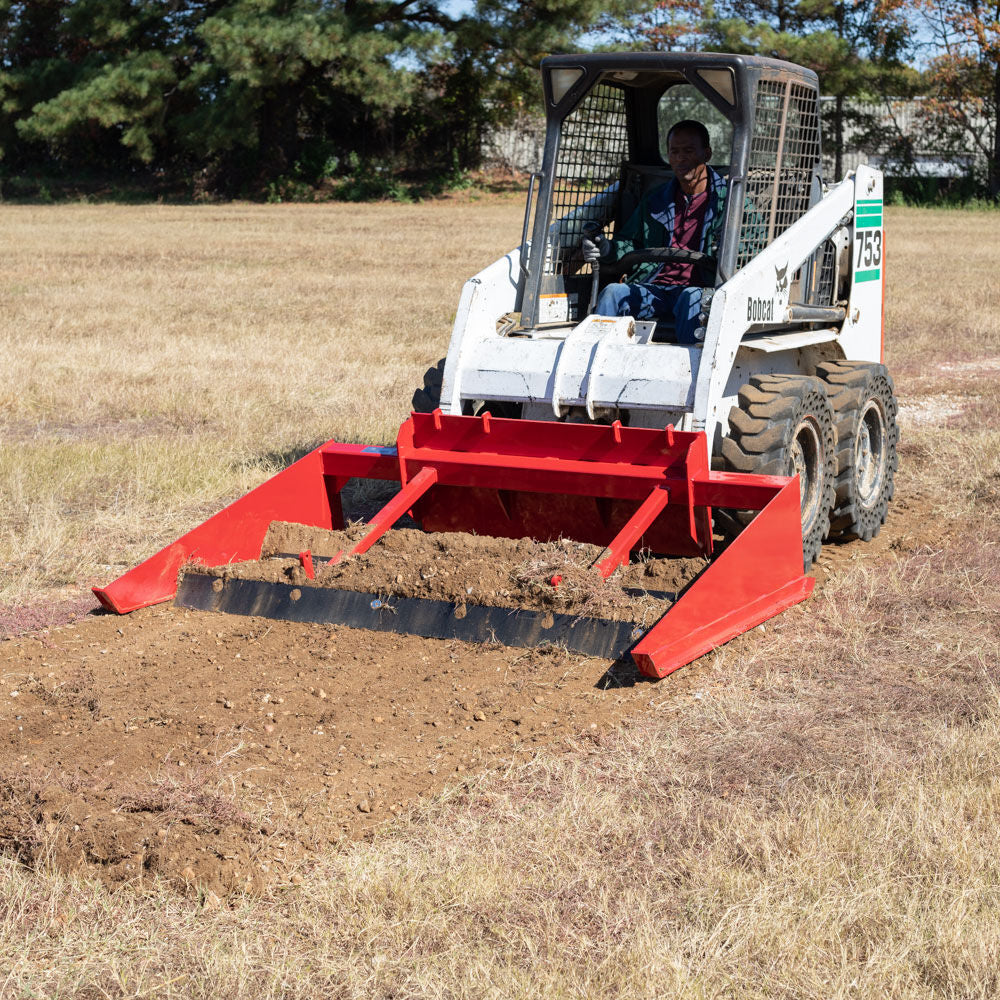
774 431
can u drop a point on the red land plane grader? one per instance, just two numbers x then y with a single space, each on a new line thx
546 421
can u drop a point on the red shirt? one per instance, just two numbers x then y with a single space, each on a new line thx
688 220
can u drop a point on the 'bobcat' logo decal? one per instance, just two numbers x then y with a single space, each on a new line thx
781 274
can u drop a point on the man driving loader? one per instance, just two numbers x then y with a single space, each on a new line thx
687 213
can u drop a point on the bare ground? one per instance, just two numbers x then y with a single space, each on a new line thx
227 754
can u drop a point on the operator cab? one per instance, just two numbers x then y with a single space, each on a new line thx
606 147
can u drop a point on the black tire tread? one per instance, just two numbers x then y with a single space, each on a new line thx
762 428
428 399
849 383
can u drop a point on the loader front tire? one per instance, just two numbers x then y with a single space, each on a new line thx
864 407
428 399
784 426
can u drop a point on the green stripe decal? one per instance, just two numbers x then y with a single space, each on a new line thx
870 222
868 202
872 275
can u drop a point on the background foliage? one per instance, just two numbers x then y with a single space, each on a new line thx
273 97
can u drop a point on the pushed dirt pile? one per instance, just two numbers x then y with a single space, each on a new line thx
470 569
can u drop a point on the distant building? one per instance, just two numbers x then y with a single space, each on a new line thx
517 148
893 136
890 135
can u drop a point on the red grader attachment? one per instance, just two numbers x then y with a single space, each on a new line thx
618 487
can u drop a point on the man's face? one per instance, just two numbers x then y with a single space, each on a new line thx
687 156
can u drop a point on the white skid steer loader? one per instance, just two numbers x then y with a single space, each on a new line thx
773 429
787 374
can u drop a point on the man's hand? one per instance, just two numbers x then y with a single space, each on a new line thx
594 248
594 245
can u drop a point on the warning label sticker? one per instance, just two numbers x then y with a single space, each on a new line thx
553 308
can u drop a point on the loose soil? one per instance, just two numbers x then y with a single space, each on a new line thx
469 569
222 753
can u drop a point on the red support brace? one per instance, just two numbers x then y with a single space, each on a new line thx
758 575
617 552
306 562
393 511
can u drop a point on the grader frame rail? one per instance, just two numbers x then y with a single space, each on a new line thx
608 485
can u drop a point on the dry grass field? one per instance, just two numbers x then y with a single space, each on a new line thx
818 817
158 361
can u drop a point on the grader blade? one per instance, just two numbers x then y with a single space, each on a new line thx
616 487
421 616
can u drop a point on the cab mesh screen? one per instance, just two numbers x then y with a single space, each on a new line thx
825 274
784 156
593 143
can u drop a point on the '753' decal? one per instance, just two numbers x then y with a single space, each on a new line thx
869 243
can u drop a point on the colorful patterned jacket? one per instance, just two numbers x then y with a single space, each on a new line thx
652 224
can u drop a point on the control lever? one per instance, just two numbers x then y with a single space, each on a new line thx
590 231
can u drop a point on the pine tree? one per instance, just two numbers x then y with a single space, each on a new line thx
855 46
240 83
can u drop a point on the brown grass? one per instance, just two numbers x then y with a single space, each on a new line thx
191 795
820 820
941 291
160 361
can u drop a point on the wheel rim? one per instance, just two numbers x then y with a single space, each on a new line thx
806 458
870 454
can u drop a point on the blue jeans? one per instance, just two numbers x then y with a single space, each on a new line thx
654 301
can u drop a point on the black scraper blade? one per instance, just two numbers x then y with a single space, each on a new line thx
430 619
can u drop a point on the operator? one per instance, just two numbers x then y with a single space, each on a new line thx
685 212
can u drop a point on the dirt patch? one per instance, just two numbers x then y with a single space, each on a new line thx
469 569
226 753
34 431
974 369
223 753
932 410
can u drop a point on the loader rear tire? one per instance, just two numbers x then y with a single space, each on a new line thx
864 406
783 426
428 399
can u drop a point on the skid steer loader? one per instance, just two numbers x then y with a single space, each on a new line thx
775 430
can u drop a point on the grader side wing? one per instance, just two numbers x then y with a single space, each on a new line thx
617 487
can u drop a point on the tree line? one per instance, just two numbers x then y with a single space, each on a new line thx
257 96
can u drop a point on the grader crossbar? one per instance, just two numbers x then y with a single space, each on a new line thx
619 487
